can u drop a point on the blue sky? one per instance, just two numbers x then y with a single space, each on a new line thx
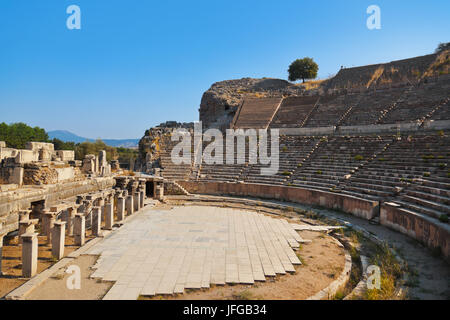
137 63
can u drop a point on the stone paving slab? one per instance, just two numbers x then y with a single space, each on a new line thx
168 251
302 227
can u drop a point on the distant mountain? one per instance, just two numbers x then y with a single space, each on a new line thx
68 136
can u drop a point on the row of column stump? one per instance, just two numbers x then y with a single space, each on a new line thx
71 219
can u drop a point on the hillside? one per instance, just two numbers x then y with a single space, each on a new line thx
68 136
221 101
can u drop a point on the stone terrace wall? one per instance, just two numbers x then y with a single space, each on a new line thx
13 201
366 209
407 70
430 232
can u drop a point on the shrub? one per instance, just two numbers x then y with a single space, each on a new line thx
319 171
359 157
299 165
441 133
381 159
426 174
391 270
442 165
284 149
286 173
443 218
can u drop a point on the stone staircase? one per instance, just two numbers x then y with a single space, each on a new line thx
293 111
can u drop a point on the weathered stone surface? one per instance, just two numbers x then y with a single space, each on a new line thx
29 254
162 252
58 239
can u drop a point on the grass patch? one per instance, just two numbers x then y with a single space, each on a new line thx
391 271
243 295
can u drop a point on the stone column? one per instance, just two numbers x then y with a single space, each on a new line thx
109 216
24 215
142 197
129 205
49 223
96 221
70 220
79 229
26 226
137 201
159 195
120 208
1 252
100 202
58 239
29 254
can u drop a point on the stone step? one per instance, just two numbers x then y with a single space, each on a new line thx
437 207
429 196
368 191
420 209
372 186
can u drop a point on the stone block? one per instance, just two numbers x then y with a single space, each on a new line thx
120 209
109 216
58 239
66 155
136 201
96 221
29 254
142 198
129 205
79 229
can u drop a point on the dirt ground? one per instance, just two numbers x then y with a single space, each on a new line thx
55 287
12 261
322 263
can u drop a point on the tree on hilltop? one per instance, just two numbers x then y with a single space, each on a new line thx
443 46
303 69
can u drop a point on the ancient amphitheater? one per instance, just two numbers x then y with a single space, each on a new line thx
363 173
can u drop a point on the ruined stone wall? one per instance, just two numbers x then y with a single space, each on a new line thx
13 201
430 232
366 209
42 173
395 72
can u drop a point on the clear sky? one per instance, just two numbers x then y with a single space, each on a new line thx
137 63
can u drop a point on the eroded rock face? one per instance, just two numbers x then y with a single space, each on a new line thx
220 102
153 142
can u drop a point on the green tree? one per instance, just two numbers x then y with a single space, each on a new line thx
61 145
84 148
303 69
442 47
16 135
